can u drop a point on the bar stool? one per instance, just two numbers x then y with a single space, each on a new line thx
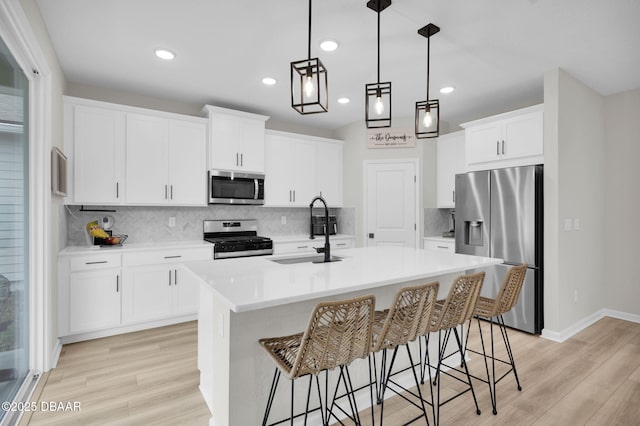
338 332
494 308
448 314
408 319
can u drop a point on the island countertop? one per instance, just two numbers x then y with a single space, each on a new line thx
253 283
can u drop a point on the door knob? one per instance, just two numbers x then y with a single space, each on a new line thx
371 235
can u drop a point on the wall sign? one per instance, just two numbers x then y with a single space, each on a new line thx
383 138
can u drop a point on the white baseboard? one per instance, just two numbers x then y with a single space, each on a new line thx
569 332
55 355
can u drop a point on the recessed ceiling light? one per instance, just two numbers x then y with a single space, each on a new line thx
269 81
329 45
447 89
165 54
344 100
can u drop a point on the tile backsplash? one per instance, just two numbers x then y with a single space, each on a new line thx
151 224
436 221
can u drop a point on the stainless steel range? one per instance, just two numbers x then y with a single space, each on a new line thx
236 238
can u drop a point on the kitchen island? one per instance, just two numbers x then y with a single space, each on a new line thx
243 300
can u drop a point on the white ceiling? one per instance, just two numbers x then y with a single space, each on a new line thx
494 52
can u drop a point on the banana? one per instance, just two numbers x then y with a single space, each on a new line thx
95 230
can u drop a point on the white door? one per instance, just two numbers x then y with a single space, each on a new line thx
391 203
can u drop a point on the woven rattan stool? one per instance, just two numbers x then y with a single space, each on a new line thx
337 333
448 314
492 310
408 319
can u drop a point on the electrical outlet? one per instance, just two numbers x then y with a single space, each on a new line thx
576 224
283 220
568 225
172 222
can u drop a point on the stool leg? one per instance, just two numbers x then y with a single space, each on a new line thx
466 370
272 393
505 337
415 377
486 365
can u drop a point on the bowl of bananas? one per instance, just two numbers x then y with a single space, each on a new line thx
100 237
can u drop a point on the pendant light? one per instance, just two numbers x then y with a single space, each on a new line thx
309 88
428 112
378 95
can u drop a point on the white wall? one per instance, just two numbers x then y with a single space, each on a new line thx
574 185
356 151
622 200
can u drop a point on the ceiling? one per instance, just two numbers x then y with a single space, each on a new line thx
494 52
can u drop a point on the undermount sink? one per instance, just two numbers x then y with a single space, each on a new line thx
313 259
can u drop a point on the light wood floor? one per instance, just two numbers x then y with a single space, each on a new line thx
151 378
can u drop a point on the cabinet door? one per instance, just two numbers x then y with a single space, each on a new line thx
523 136
225 139
94 300
252 150
329 172
187 163
98 140
278 187
483 142
187 291
147 163
147 293
451 161
303 168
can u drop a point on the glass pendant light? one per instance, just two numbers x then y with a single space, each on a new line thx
378 95
309 87
427 120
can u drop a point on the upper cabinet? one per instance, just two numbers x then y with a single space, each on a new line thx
133 156
299 167
236 140
95 146
451 161
505 140
166 161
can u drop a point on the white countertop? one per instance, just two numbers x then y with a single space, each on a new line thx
129 247
253 283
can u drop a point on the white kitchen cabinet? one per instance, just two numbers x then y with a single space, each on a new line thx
299 167
90 293
506 140
94 142
290 170
111 292
305 245
166 161
450 161
157 285
329 172
236 140
440 244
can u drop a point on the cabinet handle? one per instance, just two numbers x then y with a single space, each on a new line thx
96 262
175 277
453 195
497 147
173 257
302 247
117 283
237 162
169 278
341 244
294 195
289 195
443 247
117 190
502 147
171 191
165 192
241 160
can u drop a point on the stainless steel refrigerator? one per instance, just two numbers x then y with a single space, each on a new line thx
499 214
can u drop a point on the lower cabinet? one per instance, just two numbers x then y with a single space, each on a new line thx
440 244
111 293
308 246
94 300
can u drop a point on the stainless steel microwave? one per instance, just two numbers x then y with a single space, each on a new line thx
229 187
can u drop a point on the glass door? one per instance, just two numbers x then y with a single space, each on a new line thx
14 227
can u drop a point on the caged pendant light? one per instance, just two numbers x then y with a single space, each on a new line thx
309 87
428 112
378 95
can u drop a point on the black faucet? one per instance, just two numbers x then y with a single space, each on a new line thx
327 247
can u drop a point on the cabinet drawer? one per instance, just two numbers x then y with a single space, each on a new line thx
440 245
168 256
95 261
297 247
343 244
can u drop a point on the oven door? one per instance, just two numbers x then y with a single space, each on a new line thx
227 187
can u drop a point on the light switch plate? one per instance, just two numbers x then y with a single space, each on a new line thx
172 222
568 225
